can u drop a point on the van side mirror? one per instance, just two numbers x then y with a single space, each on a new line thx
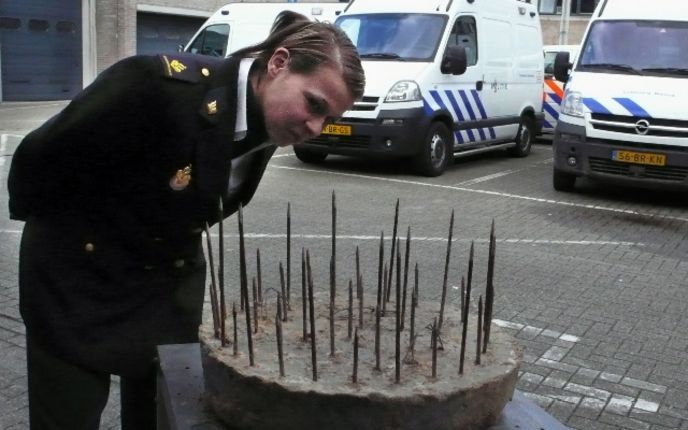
562 66
454 61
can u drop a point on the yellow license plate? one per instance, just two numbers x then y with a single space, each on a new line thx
639 158
340 130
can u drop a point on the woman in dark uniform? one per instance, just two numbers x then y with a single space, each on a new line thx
117 188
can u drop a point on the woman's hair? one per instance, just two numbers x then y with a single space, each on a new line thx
311 44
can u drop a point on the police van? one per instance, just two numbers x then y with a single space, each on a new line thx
553 89
444 78
624 115
237 25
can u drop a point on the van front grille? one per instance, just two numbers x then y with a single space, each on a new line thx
341 141
639 125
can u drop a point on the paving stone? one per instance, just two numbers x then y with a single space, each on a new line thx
623 422
619 404
631 382
590 407
582 423
656 418
561 410
588 391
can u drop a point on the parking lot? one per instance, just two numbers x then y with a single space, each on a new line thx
592 283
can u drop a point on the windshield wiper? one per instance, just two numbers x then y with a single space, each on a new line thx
671 70
611 66
384 55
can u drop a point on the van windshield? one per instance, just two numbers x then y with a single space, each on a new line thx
395 36
658 48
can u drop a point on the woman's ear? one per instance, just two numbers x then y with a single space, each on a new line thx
278 62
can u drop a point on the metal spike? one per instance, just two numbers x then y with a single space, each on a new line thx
406 267
354 376
284 292
260 277
221 274
360 301
434 348
255 306
278 332
244 286
235 346
480 330
334 244
394 243
397 341
467 308
213 285
311 308
380 286
304 295
288 297
489 289
351 310
377 338
446 272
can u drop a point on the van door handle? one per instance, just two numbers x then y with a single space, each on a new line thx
479 85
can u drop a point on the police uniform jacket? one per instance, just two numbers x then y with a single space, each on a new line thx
115 191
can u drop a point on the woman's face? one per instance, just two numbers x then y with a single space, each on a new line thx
297 106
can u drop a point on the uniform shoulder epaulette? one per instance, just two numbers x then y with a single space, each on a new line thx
184 67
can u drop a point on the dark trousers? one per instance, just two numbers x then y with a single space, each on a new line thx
63 396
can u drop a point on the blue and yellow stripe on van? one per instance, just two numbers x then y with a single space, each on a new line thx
464 106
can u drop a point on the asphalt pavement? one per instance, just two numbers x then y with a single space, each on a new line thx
593 284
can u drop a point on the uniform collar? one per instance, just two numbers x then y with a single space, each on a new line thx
241 124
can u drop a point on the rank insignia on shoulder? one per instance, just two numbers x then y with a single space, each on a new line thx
181 179
212 107
177 66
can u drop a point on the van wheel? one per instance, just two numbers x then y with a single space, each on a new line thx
436 151
309 156
563 181
524 138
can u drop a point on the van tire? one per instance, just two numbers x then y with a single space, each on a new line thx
436 151
563 181
309 156
524 138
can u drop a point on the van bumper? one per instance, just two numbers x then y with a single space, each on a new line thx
394 133
593 158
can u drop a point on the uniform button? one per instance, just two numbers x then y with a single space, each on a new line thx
205 72
89 247
179 263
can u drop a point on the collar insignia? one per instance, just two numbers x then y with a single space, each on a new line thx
177 66
181 179
212 107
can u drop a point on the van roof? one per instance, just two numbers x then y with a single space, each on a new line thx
251 12
669 10
424 6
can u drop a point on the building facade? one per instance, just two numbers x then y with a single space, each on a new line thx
51 49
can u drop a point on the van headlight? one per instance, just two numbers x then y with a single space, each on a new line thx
572 104
403 91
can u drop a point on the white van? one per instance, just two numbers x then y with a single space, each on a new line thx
624 113
443 78
553 90
237 25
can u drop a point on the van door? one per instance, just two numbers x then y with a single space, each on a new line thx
463 95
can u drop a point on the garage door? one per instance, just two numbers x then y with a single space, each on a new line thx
40 49
157 33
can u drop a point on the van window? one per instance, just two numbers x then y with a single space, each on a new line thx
211 41
633 47
464 33
394 36
549 62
